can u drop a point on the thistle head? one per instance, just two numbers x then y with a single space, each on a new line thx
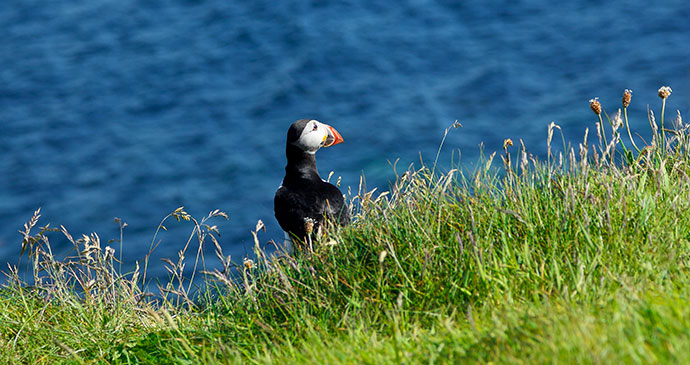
595 105
664 92
627 94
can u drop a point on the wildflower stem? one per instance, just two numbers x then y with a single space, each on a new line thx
663 132
438 153
627 126
625 149
603 132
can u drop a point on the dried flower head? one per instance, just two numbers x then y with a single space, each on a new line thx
617 121
308 225
627 94
382 256
109 253
507 143
664 92
552 126
595 105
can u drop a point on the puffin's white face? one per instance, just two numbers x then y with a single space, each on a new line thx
316 135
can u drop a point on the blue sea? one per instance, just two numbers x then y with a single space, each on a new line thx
130 109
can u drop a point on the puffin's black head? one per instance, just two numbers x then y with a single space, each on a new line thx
309 135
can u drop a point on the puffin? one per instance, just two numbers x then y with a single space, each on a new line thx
304 203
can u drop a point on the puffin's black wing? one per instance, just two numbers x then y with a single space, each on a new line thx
291 208
294 205
335 207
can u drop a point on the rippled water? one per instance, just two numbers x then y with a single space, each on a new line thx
130 109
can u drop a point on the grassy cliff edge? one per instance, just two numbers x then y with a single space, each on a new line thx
580 258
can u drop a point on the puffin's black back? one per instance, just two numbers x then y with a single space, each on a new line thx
304 196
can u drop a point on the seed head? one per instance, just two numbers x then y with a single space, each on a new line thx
595 105
382 256
109 253
507 143
627 94
617 121
308 225
664 92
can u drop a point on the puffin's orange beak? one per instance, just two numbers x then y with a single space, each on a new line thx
333 137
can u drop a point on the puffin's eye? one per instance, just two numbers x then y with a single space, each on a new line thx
316 126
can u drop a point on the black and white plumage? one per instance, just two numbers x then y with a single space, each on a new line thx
305 201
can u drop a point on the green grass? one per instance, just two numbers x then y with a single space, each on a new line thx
582 258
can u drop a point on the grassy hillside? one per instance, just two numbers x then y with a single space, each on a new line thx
580 258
